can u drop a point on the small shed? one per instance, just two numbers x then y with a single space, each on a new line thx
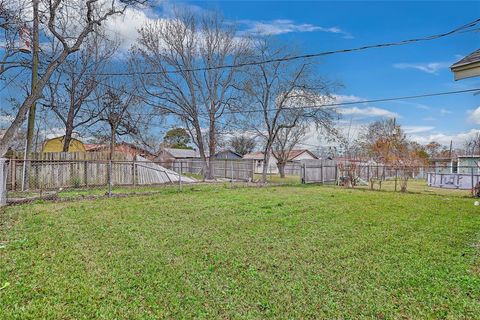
171 154
443 165
56 145
227 154
469 164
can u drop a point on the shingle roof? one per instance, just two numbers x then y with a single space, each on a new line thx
291 156
295 153
471 58
254 155
183 153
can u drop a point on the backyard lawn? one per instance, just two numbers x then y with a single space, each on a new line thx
216 252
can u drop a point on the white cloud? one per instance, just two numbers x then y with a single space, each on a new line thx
346 98
282 26
125 27
475 116
368 112
458 139
417 129
365 111
445 111
431 67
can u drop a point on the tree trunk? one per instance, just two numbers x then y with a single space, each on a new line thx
112 142
212 144
266 160
281 168
67 138
201 148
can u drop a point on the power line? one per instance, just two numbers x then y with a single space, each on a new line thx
425 95
460 29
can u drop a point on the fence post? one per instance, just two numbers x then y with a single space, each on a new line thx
321 173
180 176
368 174
253 170
3 182
225 168
13 164
303 173
336 175
134 173
396 175
110 177
473 186
85 169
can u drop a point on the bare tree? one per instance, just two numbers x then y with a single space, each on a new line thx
70 90
242 144
116 112
176 49
90 13
15 44
287 139
472 144
278 94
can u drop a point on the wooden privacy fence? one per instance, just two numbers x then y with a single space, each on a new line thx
51 174
319 171
55 174
241 169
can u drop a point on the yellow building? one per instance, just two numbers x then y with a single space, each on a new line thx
56 145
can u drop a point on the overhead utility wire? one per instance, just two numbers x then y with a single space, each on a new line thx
460 29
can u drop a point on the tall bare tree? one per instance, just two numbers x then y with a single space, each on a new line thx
242 144
287 139
472 144
278 94
116 111
176 49
71 88
15 39
90 14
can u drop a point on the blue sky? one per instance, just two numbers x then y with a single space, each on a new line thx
406 70
317 26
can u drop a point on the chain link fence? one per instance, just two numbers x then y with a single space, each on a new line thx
28 180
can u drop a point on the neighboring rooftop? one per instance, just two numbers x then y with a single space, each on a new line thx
182 153
258 155
470 156
467 67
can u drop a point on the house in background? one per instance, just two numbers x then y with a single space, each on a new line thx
169 155
467 67
172 154
295 156
123 148
56 145
443 165
227 154
467 163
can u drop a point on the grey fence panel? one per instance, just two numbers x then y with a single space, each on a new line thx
319 171
241 169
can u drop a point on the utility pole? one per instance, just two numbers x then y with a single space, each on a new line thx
35 45
31 112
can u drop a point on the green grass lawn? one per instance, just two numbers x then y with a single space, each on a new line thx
420 186
275 178
287 252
